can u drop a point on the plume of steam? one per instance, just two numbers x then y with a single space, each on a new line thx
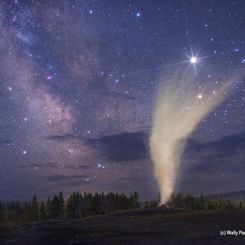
179 108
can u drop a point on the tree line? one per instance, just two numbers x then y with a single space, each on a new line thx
77 205
201 202
80 205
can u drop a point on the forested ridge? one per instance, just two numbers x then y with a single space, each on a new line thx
80 205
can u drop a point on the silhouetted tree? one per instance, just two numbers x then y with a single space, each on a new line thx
80 205
34 208
48 208
43 213
61 206
2 214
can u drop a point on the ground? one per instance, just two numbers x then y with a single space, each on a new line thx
138 226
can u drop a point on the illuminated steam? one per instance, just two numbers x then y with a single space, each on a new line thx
180 107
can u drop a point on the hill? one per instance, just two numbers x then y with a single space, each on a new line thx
135 226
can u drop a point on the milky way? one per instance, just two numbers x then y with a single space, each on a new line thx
79 78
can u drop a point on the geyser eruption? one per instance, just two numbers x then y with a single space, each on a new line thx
179 108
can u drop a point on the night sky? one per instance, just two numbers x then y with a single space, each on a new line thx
78 81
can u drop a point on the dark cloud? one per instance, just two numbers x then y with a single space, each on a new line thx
77 182
70 180
41 165
117 147
227 146
230 143
209 166
122 147
61 178
61 138
225 155
134 146
5 142
79 166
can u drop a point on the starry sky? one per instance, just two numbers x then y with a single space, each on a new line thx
77 86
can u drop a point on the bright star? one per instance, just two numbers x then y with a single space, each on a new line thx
199 96
138 14
100 166
193 60
49 77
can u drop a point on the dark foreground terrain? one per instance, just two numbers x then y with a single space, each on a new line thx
138 226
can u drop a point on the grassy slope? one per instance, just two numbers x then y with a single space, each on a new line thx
140 226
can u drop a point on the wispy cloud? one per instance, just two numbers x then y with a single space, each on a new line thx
57 178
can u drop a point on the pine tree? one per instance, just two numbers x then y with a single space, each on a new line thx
61 206
240 205
34 208
202 202
48 209
136 203
1 212
27 211
179 201
55 208
43 213
70 207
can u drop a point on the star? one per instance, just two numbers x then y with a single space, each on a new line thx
49 77
199 96
193 60
100 166
138 14
70 150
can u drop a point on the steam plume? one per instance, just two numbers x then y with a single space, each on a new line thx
179 108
